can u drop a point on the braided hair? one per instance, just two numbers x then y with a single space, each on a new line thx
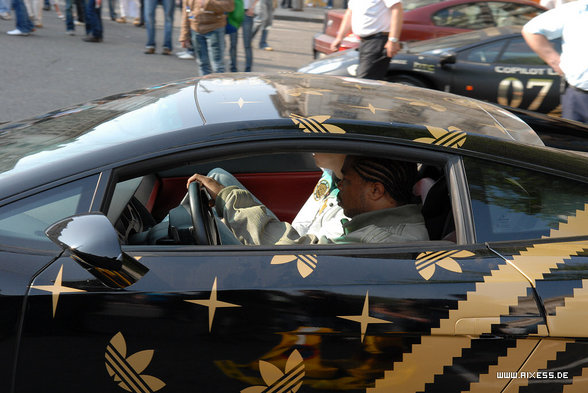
397 177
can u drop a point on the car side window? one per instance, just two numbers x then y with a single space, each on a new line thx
465 16
518 52
23 223
482 54
510 203
510 14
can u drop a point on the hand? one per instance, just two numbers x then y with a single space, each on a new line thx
392 48
250 12
185 44
212 186
335 44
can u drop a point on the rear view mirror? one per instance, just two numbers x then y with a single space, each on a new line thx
93 243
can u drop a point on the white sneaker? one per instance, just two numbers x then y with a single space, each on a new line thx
185 56
16 32
5 16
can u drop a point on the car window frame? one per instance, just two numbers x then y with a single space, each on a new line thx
377 145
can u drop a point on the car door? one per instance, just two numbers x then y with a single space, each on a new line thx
537 222
256 318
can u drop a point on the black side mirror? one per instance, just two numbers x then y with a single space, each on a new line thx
447 58
93 243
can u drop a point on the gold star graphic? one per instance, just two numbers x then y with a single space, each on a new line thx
56 289
212 303
371 108
241 102
364 319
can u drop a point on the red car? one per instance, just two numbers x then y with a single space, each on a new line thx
424 19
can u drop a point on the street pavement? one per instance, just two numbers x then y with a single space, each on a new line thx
49 69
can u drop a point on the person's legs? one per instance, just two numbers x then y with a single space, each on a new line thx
201 52
69 21
23 22
216 48
575 105
150 24
168 9
234 40
81 10
112 9
373 63
247 29
93 19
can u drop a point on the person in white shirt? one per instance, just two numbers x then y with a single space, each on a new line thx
570 22
378 23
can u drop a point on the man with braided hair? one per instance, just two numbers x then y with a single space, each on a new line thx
375 193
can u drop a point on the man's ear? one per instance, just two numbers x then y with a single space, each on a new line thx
377 190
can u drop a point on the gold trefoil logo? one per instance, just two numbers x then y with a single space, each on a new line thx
452 137
127 370
427 262
277 381
315 124
305 263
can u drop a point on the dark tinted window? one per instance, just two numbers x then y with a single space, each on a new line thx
464 16
483 53
23 222
511 203
518 52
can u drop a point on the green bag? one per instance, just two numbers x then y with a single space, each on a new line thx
235 17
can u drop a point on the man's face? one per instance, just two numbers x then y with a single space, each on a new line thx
352 191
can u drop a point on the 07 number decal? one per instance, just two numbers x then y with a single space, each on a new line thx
518 89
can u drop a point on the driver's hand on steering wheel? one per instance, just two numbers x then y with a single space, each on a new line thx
212 186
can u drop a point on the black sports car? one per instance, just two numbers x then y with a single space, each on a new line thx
493 64
104 288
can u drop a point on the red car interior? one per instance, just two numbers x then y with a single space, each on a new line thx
284 193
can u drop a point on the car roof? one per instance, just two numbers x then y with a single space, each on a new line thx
83 134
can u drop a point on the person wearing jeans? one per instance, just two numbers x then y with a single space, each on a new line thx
24 26
247 28
210 50
94 29
5 10
203 23
168 12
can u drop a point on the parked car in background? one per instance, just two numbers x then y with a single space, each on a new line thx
493 64
110 283
424 19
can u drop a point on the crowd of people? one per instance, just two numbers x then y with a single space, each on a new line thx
203 26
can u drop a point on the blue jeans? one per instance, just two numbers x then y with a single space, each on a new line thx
4 7
246 28
209 49
23 23
93 19
168 11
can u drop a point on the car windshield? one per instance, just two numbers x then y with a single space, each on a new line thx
449 43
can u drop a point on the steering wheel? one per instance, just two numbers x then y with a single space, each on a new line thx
204 230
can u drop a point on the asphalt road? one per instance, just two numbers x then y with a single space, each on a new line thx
50 70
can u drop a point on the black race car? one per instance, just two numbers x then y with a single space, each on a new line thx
493 64
105 287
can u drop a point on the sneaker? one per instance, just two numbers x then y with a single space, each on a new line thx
5 16
17 32
60 16
79 23
268 48
166 51
185 55
122 19
149 50
137 21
